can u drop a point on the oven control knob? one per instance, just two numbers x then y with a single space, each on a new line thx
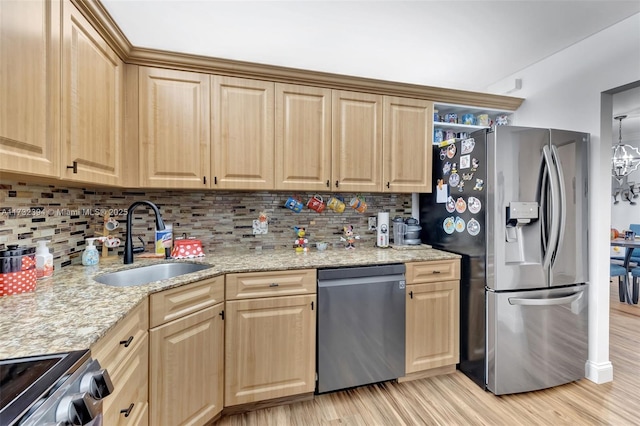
77 409
97 383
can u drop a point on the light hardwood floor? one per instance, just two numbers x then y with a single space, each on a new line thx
455 400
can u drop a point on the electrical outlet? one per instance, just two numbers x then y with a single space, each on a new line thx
372 223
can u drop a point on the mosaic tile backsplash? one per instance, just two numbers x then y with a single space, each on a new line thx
221 220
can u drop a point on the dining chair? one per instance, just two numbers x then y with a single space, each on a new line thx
635 273
618 271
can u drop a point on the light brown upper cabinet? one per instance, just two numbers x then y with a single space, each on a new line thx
407 148
303 137
242 144
174 135
30 87
92 103
357 142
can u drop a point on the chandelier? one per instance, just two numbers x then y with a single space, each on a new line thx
625 158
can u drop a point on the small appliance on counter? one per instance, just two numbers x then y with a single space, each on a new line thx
406 232
382 230
412 232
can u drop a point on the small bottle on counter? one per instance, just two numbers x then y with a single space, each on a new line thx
44 260
90 255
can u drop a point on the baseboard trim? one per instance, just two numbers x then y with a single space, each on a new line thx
599 372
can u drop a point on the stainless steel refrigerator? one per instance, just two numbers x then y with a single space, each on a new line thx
513 201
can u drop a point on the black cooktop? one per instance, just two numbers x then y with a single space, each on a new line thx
23 381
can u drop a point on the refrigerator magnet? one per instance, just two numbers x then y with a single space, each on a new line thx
442 191
459 224
446 168
473 227
461 186
465 161
451 205
474 205
461 205
467 176
451 151
449 225
443 153
479 184
467 145
454 179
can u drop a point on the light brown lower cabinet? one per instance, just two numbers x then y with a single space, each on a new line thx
186 369
124 352
186 366
269 348
432 315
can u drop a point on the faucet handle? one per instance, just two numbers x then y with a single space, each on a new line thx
140 249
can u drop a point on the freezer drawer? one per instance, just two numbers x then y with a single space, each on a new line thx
536 339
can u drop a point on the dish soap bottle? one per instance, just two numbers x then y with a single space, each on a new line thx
90 255
44 260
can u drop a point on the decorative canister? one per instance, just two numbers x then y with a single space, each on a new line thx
17 270
185 248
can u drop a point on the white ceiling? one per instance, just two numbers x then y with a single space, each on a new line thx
458 44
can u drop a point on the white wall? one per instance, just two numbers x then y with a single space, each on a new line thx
565 91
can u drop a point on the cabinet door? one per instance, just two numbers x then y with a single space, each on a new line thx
269 348
185 361
432 325
303 137
357 141
92 104
30 87
174 128
242 145
407 146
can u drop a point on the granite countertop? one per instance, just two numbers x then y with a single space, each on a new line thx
70 311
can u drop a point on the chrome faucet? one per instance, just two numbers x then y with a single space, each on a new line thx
128 246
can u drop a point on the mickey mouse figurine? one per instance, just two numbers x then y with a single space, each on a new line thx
301 242
349 237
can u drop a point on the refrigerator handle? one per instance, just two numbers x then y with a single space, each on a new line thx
563 196
554 233
565 300
543 200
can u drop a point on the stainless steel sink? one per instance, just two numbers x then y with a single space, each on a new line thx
147 274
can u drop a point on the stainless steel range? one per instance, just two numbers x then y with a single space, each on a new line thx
64 388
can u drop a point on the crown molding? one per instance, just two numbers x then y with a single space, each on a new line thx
95 12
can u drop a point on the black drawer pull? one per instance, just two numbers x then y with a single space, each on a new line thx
274 285
127 411
74 167
127 342
436 272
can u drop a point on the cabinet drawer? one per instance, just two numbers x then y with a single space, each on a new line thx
432 271
266 284
119 342
177 302
130 383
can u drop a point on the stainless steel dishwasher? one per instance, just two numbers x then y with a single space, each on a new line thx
361 326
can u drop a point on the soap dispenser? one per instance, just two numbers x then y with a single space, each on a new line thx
90 255
44 260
